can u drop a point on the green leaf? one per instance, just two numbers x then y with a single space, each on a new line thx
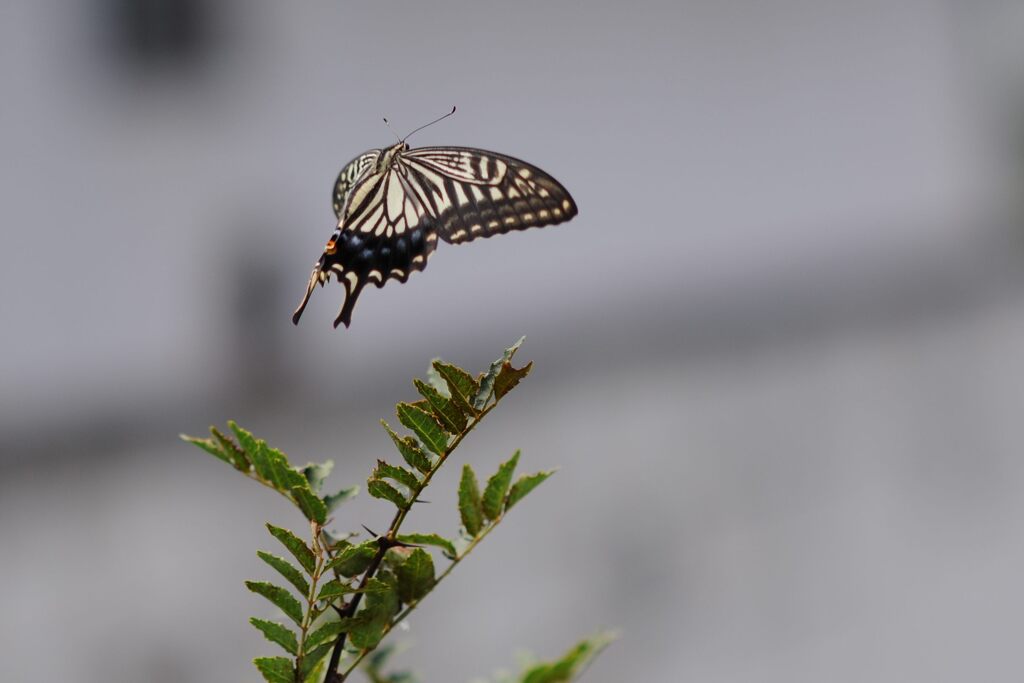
275 669
313 657
331 630
280 597
287 570
270 464
334 589
209 446
276 633
415 576
399 474
448 413
424 426
355 559
410 450
470 507
524 485
509 377
316 472
382 604
430 539
378 488
438 382
241 462
335 499
497 488
483 394
317 673
312 507
572 663
302 552
460 382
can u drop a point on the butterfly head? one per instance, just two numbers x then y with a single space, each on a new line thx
387 157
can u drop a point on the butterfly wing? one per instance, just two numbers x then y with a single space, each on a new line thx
348 176
475 193
383 233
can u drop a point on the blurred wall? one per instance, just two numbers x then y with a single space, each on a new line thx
776 354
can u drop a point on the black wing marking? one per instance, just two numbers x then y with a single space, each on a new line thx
376 254
475 193
349 175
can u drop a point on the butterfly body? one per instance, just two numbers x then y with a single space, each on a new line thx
393 204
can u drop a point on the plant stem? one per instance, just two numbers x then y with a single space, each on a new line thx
387 541
413 605
310 616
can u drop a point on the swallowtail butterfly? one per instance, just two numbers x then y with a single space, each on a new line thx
393 204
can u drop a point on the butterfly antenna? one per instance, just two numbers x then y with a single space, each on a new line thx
392 129
441 118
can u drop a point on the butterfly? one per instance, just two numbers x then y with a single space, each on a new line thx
393 204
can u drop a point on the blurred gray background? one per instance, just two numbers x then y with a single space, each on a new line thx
778 355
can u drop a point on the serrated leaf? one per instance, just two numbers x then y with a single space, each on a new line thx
424 426
270 464
486 383
276 633
435 380
430 539
334 589
382 604
287 570
399 474
355 559
508 377
335 499
470 507
410 450
447 412
378 488
253 449
316 472
275 669
294 544
280 597
458 380
330 631
209 446
311 658
493 500
312 507
241 462
415 576
524 485
571 664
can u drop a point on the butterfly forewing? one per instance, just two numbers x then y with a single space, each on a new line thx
505 194
348 176
393 204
